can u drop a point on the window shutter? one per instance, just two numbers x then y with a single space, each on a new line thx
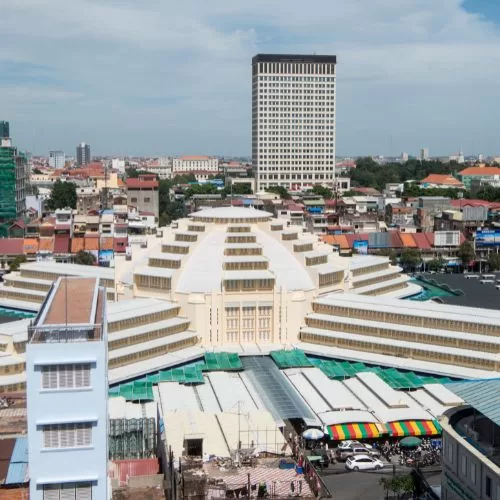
67 491
51 492
84 491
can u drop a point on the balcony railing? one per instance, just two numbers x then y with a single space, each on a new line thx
64 333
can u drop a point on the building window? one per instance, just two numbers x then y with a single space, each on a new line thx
473 472
133 200
463 465
67 435
487 488
147 200
69 376
68 491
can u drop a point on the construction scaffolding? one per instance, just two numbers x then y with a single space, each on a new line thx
8 209
132 438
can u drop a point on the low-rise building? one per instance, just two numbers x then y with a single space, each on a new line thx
440 181
186 164
142 193
480 174
471 451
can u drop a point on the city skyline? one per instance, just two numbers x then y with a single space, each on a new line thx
410 76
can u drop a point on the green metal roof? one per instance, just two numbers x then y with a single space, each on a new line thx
483 395
294 358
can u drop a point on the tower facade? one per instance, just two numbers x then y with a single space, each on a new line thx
83 154
293 120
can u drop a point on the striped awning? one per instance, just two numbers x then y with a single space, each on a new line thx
414 428
339 432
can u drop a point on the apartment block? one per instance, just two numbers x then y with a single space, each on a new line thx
67 386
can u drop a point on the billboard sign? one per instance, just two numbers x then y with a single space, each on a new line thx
488 238
360 246
447 238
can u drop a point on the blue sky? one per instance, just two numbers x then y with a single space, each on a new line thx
156 77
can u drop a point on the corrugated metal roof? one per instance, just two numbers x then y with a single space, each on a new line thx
483 395
20 452
17 473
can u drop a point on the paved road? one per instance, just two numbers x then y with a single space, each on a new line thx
363 485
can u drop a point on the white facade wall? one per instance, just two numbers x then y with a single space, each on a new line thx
190 164
293 121
57 159
76 464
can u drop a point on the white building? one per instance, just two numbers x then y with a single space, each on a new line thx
424 154
162 168
57 159
186 164
67 386
118 165
293 120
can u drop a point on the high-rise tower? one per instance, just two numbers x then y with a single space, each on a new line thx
83 154
293 120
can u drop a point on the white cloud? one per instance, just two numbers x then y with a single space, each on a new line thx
156 76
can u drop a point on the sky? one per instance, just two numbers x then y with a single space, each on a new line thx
158 77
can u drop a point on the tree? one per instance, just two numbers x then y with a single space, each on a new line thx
389 252
16 262
436 264
280 190
322 191
36 171
238 189
85 258
494 262
63 195
466 253
173 210
410 259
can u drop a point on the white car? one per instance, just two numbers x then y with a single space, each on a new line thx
363 462
349 444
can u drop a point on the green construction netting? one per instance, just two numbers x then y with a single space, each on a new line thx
8 209
290 359
222 361
397 379
139 390
142 389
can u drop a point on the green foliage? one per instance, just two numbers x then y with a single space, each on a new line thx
494 262
173 210
368 173
489 193
36 171
466 252
389 252
238 189
280 190
350 193
436 264
133 173
398 484
322 191
85 258
16 262
413 190
410 258
201 189
63 195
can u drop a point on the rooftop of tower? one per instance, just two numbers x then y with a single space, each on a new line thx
304 58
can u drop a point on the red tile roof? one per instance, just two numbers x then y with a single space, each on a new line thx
12 246
421 241
441 179
195 158
141 184
479 171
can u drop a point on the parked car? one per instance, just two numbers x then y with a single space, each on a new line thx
349 444
344 453
363 462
